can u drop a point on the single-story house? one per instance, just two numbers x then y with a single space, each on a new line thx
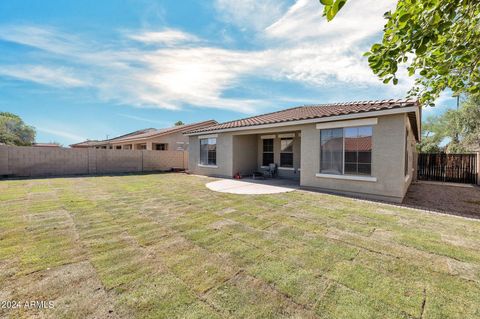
46 145
171 138
105 144
365 148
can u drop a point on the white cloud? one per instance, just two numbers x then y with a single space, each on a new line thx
57 76
250 14
297 44
143 119
60 133
166 37
313 51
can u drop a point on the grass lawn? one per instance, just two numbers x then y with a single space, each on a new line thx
164 246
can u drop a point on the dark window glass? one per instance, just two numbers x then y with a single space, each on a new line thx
331 151
267 158
286 159
268 145
161 147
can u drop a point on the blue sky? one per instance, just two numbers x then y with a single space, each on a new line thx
88 69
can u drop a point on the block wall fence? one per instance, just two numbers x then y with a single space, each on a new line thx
19 161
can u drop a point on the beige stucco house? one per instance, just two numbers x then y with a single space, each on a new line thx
360 148
171 138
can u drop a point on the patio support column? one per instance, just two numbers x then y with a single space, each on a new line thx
478 168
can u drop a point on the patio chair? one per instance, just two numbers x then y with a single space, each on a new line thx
272 170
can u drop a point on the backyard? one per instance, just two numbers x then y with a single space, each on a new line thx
165 246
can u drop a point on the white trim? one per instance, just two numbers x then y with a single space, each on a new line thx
286 168
207 166
406 178
317 120
266 137
299 169
286 135
208 136
180 142
350 123
348 177
264 166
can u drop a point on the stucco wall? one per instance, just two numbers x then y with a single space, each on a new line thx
224 167
387 157
34 161
387 161
244 154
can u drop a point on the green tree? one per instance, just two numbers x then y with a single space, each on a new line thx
470 123
437 40
455 131
13 131
178 123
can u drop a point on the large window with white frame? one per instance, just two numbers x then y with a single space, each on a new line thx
346 151
208 151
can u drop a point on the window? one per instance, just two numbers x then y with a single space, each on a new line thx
118 147
161 147
208 151
346 151
267 152
358 150
141 146
331 151
286 152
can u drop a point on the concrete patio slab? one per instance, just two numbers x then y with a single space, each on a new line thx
253 187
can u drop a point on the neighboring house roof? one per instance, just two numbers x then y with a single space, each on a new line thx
308 112
145 134
89 143
45 145
165 131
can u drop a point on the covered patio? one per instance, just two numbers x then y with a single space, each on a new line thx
257 152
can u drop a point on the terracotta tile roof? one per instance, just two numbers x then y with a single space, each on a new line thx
360 144
89 143
311 112
45 145
169 130
145 133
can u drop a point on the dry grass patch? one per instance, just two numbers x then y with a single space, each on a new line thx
164 246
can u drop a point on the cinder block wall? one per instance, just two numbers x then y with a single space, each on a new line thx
35 161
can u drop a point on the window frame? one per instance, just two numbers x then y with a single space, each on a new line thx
360 176
272 152
208 162
288 152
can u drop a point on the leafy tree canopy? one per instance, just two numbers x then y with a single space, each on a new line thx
437 40
13 131
178 123
455 131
